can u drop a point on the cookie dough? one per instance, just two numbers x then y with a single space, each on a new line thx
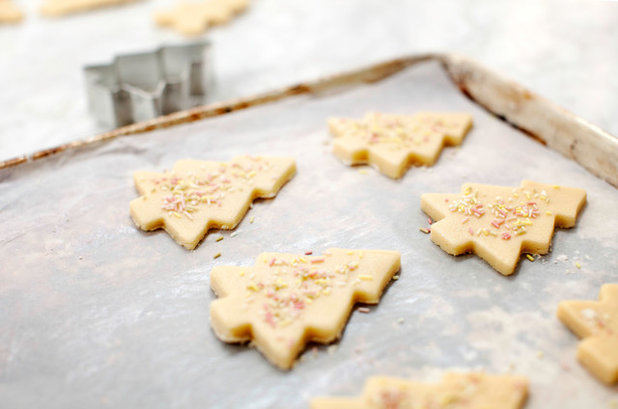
597 323
499 223
55 8
192 18
9 12
287 300
456 391
200 195
392 143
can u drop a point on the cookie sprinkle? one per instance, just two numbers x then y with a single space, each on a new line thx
297 282
510 217
188 193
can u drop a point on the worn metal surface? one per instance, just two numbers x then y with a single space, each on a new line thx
99 314
552 125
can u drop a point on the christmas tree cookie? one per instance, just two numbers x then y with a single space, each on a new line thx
286 300
456 391
194 17
55 8
200 195
392 143
9 12
597 323
499 223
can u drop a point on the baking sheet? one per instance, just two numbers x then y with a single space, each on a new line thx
99 314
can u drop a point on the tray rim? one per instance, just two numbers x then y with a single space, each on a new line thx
585 143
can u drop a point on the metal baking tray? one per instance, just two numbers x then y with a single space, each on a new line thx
98 314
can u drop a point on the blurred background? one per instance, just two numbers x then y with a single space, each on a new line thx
565 50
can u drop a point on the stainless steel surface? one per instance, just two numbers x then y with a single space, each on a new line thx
102 315
142 86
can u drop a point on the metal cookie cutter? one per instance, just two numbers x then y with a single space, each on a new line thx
137 87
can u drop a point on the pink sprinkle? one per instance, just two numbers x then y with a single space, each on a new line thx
506 236
269 319
429 220
268 316
465 220
364 310
317 260
470 231
272 262
308 253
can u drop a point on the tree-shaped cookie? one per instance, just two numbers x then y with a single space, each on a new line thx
199 195
9 12
192 18
597 323
54 8
394 142
287 300
474 390
499 223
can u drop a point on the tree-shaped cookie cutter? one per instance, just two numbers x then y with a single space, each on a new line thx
141 86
